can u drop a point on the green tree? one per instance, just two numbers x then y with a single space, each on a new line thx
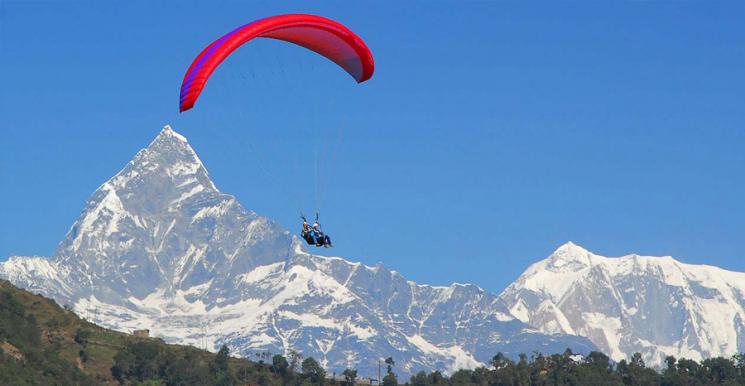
220 368
719 370
739 360
637 360
688 369
82 336
499 361
523 371
221 359
639 374
350 377
280 365
124 362
390 363
146 364
481 375
597 370
313 371
598 360
436 378
538 369
390 378
419 379
461 377
83 355
670 376
263 380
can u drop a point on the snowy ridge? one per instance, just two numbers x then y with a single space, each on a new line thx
654 305
159 247
36 274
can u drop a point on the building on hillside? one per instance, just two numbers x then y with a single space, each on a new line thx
141 333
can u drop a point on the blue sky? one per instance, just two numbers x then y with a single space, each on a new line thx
490 134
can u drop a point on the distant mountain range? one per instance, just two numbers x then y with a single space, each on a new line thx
158 246
653 305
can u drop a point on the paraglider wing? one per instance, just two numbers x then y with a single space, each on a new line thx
319 34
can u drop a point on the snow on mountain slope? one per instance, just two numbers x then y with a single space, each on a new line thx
37 274
653 305
158 246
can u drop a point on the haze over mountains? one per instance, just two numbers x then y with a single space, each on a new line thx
158 246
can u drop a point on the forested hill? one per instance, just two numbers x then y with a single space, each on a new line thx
43 344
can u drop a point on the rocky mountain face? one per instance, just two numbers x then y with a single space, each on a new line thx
158 246
653 305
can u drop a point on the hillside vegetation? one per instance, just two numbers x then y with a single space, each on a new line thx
43 344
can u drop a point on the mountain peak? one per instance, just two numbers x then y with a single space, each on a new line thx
169 140
570 246
567 258
168 132
570 251
171 152
155 194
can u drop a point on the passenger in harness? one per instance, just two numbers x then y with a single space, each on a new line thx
313 235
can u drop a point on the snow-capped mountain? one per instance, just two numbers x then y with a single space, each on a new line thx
653 305
158 246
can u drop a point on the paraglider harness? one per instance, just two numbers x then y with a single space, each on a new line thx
313 235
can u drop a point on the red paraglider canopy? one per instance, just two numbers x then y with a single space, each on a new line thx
319 34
